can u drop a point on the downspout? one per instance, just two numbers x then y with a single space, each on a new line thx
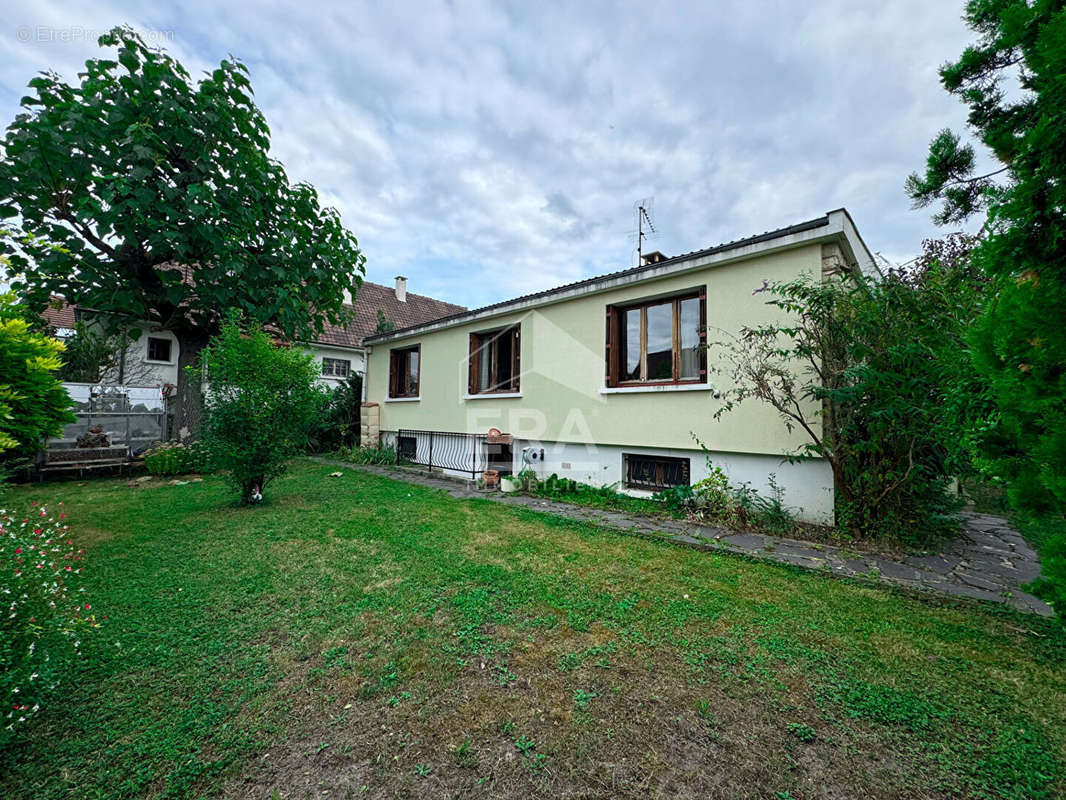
366 371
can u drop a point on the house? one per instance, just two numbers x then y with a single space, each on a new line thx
607 380
152 358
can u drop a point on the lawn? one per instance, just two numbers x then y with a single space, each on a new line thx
362 637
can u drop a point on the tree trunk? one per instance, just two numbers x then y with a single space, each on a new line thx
188 396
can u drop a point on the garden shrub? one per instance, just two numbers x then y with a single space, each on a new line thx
261 403
45 610
382 454
338 426
1047 533
876 376
33 403
715 498
177 458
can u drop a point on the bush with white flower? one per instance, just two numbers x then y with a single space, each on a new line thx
43 610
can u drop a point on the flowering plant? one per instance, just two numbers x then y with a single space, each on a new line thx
43 610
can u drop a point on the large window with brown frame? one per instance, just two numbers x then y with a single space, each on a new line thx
660 341
404 370
495 361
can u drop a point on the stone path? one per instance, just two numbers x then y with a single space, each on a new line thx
989 560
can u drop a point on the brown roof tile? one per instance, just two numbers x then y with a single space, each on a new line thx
418 310
58 314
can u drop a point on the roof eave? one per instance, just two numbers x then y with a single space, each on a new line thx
835 225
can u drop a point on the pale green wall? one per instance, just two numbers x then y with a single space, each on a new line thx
563 371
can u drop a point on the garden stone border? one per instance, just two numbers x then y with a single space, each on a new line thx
989 560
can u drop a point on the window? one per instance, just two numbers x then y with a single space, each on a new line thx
406 447
158 349
494 361
404 366
655 472
336 367
658 341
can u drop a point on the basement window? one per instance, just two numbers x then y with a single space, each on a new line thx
406 447
494 361
655 473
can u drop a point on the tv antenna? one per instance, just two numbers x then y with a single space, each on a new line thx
644 220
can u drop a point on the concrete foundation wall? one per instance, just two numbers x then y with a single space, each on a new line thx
805 487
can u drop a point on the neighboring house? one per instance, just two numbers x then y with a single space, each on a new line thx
152 358
340 348
607 380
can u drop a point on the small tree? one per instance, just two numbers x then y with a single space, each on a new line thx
102 351
33 403
261 403
87 353
872 373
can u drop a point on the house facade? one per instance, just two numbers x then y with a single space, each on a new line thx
151 359
610 380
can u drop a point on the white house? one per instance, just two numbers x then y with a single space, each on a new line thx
152 358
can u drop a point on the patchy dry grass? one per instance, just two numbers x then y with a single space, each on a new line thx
369 638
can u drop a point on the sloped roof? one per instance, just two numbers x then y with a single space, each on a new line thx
590 283
371 297
59 316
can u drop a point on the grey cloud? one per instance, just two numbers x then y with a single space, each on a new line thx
486 149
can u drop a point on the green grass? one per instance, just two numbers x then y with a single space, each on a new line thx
377 639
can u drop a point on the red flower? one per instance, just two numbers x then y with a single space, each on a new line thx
62 516
87 606
67 568
36 530
18 550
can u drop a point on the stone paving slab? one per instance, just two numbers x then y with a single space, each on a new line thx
989 560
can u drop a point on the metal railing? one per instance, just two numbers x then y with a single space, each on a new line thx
131 418
466 453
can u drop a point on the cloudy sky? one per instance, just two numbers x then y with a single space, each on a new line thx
490 149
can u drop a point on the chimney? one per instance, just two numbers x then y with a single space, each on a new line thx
654 257
401 288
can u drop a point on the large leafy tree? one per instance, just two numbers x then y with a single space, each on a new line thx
1013 78
140 193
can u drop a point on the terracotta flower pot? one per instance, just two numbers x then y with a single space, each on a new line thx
491 478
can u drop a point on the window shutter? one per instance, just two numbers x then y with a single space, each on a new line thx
610 355
703 334
516 351
471 383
